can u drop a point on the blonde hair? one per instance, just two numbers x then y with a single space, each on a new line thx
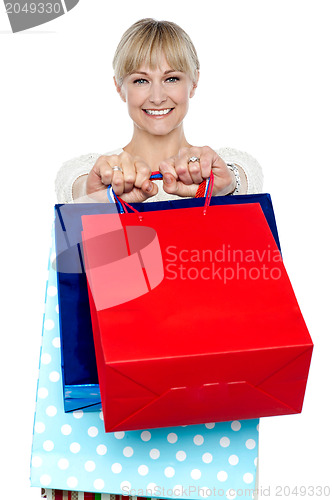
146 40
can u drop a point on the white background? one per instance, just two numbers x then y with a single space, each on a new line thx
265 88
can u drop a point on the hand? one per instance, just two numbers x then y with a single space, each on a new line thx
132 183
182 178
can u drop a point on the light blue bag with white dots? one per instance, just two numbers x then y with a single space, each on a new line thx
71 451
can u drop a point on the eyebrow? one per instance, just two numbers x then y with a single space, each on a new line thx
165 73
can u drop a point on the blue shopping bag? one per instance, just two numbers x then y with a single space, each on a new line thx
80 380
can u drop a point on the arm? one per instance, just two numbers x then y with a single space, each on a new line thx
85 179
71 177
182 174
250 170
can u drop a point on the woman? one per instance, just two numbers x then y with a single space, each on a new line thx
156 74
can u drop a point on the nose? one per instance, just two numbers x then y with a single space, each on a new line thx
157 94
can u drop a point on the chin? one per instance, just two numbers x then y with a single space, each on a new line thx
162 129
158 132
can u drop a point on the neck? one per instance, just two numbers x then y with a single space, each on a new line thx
153 149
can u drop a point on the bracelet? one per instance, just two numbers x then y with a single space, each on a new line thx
235 170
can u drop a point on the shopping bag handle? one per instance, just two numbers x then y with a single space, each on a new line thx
204 191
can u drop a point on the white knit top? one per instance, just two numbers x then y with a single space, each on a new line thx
81 165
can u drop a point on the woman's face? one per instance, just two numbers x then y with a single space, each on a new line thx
158 99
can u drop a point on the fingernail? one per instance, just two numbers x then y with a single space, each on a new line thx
168 179
149 187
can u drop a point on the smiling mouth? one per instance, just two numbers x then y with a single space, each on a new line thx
157 112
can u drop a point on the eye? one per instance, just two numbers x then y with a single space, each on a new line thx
172 79
140 81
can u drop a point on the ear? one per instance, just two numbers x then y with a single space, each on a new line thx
194 86
119 89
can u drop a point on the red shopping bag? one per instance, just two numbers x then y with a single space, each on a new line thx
194 318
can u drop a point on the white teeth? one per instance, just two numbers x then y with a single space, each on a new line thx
157 112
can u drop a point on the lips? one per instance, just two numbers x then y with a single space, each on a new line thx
158 112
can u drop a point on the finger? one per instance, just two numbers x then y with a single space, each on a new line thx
168 166
143 172
208 158
194 167
117 180
173 186
129 171
149 189
99 176
105 171
224 178
138 195
182 166
103 168
170 183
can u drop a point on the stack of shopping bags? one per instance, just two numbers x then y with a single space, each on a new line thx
183 326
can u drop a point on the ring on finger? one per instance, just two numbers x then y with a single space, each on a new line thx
117 168
193 159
